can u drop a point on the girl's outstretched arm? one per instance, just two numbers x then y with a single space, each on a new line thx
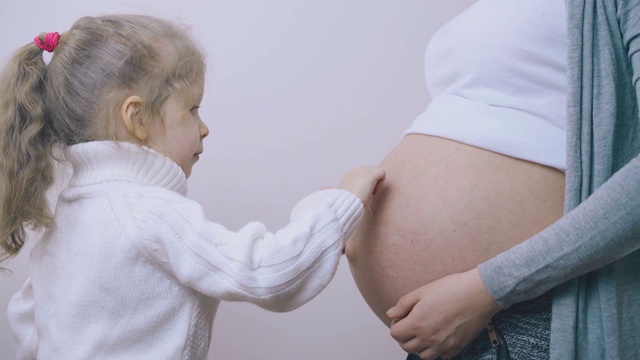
278 271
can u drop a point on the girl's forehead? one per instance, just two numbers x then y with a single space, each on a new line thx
196 86
194 90
189 94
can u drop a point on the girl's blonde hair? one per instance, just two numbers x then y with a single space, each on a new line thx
76 98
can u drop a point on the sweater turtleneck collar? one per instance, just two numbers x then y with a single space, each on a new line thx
100 161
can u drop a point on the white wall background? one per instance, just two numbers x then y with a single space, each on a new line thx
298 93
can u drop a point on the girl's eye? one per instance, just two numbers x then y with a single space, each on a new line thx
194 109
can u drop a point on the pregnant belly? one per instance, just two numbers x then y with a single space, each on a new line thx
446 207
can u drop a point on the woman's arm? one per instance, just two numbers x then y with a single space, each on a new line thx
447 314
601 230
442 317
605 226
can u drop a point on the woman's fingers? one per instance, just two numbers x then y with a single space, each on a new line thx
404 305
440 318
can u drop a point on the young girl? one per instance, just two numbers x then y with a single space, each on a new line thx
128 267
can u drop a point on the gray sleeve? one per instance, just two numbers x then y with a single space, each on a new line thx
602 229
605 226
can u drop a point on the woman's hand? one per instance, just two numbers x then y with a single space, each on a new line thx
442 317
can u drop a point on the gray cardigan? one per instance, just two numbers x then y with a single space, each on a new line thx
590 256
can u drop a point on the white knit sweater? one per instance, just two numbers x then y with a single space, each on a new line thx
132 269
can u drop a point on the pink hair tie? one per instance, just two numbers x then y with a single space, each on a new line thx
50 41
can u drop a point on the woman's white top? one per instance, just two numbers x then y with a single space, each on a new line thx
497 77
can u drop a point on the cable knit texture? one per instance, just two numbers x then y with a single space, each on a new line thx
132 269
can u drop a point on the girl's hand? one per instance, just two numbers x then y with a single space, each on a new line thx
362 182
442 317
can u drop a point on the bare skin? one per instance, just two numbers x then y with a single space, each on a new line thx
444 208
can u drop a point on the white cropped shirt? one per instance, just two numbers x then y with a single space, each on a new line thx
497 77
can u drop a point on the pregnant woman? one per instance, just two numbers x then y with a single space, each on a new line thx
483 169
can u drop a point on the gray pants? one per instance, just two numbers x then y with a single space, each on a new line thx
525 328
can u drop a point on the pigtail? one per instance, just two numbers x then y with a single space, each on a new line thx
26 166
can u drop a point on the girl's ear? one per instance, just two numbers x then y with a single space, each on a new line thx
132 117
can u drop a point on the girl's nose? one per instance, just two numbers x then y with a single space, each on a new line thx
204 129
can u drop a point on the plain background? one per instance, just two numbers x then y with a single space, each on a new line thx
298 93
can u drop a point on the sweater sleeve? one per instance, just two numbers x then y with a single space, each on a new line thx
278 271
604 227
